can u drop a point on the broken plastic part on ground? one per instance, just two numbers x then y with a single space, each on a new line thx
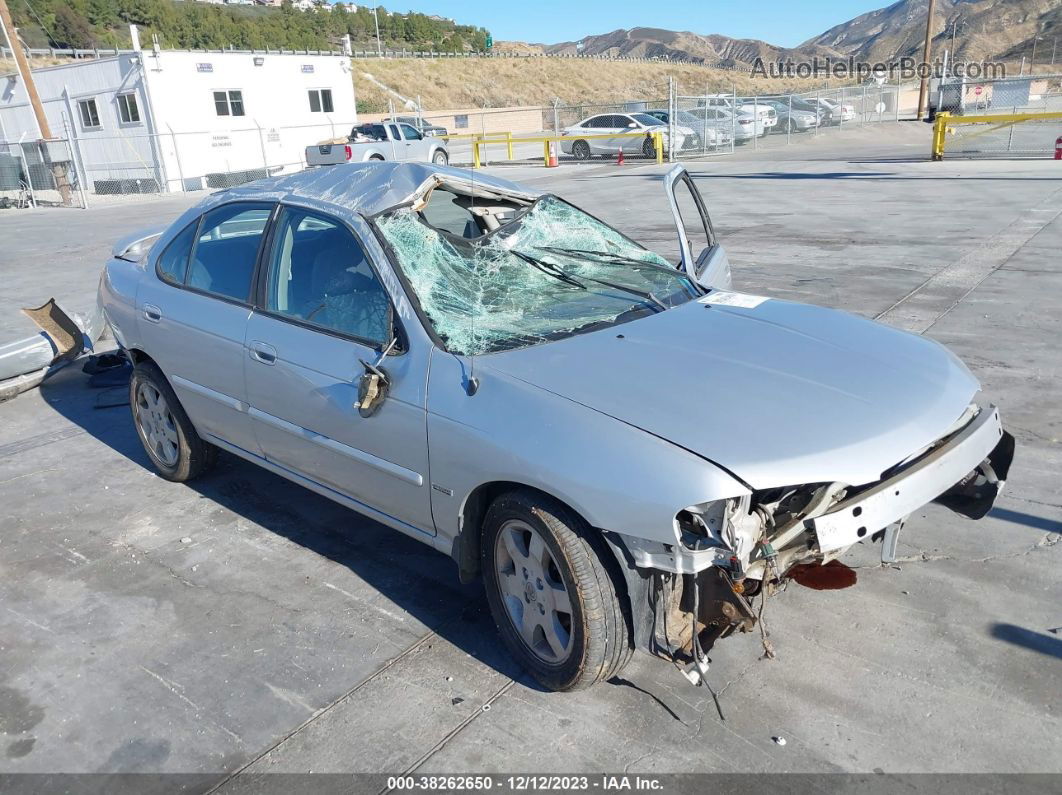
482 296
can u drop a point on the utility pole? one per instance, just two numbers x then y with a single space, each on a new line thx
23 67
25 74
926 51
1054 46
376 19
1032 61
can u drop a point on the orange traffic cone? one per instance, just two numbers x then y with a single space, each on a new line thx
619 158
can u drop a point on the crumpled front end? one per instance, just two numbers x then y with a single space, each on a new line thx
729 553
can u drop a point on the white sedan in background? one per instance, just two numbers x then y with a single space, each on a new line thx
581 148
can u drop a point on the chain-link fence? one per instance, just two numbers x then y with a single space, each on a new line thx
39 173
997 135
1023 94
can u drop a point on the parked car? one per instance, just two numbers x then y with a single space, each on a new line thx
793 119
834 112
420 124
705 135
624 449
605 123
745 106
384 141
743 128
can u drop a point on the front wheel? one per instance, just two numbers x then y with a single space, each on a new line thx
581 150
440 158
649 147
551 592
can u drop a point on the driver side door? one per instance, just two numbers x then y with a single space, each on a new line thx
320 313
701 255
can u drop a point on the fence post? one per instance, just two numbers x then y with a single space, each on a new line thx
756 124
262 147
177 157
897 103
789 123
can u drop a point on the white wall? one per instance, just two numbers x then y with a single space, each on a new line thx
113 150
180 138
278 123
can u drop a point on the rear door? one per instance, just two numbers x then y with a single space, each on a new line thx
193 316
701 255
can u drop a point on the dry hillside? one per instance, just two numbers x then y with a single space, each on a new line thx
505 82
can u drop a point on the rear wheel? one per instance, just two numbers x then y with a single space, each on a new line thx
648 147
552 592
376 157
440 158
581 150
168 436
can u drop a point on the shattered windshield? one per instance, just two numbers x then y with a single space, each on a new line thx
552 272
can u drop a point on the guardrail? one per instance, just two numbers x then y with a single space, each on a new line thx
477 161
505 135
946 123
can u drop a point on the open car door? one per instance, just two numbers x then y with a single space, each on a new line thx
703 259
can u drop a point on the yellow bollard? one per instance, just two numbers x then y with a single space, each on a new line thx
509 140
658 144
940 126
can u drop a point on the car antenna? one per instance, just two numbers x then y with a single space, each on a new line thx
472 384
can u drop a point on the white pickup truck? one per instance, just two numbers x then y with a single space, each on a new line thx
387 141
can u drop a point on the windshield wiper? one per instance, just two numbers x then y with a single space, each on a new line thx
608 258
549 269
557 272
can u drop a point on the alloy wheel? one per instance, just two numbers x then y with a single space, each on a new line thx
156 424
536 599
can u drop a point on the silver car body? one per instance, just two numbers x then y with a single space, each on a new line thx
695 416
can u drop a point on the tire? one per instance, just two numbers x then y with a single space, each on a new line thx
580 633
648 148
581 150
376 157
168 436
440 158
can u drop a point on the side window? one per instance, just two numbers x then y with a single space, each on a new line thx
226 249
173 263
596 121
410 133
318 273
393 129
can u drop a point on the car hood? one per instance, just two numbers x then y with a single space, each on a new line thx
778 393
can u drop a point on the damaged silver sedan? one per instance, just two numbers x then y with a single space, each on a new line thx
626 451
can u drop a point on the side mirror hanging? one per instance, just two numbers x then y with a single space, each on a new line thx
374 385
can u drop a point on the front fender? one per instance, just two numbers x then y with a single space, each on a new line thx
617 477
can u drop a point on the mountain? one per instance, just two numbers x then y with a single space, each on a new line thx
984 30
680 46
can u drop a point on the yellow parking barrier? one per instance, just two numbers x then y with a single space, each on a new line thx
947 122
506 135
477 142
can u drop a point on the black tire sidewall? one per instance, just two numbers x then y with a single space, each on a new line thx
581 150
559 676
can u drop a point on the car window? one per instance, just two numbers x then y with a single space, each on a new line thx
621 122
173 263
410 133
393 129
596 121
644 118
318 273
226 249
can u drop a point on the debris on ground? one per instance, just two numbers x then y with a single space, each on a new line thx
779 740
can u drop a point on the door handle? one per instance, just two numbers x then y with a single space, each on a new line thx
263 352
152 313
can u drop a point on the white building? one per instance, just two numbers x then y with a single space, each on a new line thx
144 121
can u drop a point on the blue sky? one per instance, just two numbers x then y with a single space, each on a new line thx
782 22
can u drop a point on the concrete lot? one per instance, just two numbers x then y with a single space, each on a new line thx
243 624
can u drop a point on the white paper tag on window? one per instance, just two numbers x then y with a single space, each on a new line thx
743 300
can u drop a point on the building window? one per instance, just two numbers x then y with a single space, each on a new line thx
128 111
461 121
90 117
320 100
228 103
